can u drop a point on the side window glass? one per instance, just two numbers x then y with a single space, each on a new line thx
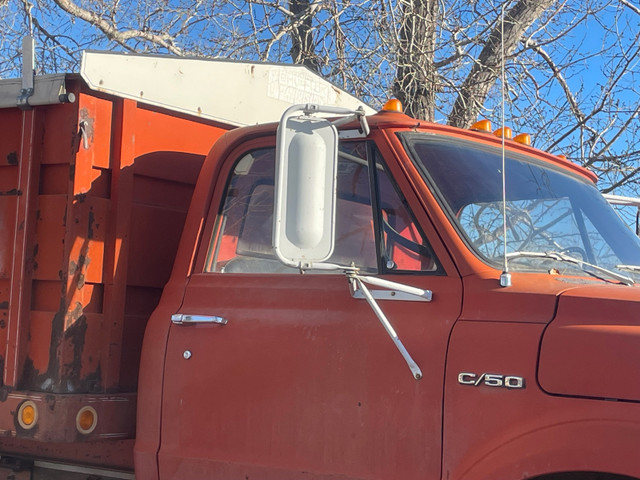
241 241
405 247
242 235
355 237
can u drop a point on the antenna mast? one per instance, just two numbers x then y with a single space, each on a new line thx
505 277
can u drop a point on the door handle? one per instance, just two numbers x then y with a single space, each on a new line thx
184 319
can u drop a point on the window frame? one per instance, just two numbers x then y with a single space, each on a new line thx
225 173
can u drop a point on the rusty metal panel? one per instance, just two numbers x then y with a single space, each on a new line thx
50 233
94 133
59 133
85 190
22 261
10 127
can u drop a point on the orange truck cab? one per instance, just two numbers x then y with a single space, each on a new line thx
334 295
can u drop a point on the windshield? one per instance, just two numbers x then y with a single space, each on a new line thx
548 210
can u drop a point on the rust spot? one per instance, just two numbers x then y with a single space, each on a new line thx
11 193
12 158
4 391
4 305
50 400
75 315
75 334
3 324
86 123
92 220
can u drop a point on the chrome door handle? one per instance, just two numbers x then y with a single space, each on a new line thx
183 319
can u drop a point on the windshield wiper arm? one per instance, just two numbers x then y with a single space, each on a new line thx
575 261
631 268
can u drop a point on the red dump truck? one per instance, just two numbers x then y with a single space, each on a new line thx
331 294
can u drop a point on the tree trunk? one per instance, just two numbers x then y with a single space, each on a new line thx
302 51
487 68
416 81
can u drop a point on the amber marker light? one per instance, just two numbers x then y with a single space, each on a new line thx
503 132
482 126
561 156
86 420
523 138
28 415
392 105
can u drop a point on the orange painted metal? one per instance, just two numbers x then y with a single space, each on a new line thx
300 382
500 433
583 322
87 191
22 266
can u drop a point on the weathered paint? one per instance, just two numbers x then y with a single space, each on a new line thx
75 204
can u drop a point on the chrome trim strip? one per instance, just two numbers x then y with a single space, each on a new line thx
184 319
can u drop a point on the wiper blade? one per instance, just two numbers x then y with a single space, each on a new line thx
575 261
631 268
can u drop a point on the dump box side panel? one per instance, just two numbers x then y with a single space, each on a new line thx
93 197
67 305
10 140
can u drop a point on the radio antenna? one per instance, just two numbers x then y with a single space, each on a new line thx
505 277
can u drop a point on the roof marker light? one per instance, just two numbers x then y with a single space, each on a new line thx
392 105
503 132
482 126
523 138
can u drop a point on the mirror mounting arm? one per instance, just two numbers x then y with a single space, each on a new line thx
360 280
352 115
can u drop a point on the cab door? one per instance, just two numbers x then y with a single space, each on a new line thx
274 374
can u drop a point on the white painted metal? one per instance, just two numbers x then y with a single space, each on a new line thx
305 188
413 366
234 93
388 295
424 295
28 63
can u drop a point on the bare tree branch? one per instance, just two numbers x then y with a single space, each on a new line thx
486 69
113 33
